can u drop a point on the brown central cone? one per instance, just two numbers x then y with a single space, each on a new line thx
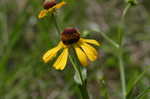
49 4
70 36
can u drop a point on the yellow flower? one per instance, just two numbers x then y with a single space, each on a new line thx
70 37
50 6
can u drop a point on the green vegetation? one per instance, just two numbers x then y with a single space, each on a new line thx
24 39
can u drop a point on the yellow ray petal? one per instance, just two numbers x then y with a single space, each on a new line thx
62 60
51 9
89 51
42 14
59 5
81 56
51 53
90 41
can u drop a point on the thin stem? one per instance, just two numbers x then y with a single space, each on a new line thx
83 89
122 75
109 40
121 34
56 24
120 56
125 11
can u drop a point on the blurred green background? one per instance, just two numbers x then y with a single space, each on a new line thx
24 39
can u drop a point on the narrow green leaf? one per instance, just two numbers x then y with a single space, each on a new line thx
132 83
77 77
142 94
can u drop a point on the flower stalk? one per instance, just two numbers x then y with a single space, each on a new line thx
122 74
120 55
82 87
56 23
109 39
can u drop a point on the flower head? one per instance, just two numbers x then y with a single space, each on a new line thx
70 37
50 6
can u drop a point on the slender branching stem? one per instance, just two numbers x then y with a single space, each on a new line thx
120 55
109 40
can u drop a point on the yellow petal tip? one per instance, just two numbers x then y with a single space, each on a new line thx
90 41
42 14
59 5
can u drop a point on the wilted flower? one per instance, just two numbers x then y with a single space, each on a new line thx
70 38
50 6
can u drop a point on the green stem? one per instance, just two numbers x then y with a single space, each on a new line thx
121 65
83 89
120 56
56 23
109 40
122 75
125 11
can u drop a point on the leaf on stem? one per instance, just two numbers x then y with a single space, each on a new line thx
77 77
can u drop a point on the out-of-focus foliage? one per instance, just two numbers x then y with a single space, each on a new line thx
24 39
